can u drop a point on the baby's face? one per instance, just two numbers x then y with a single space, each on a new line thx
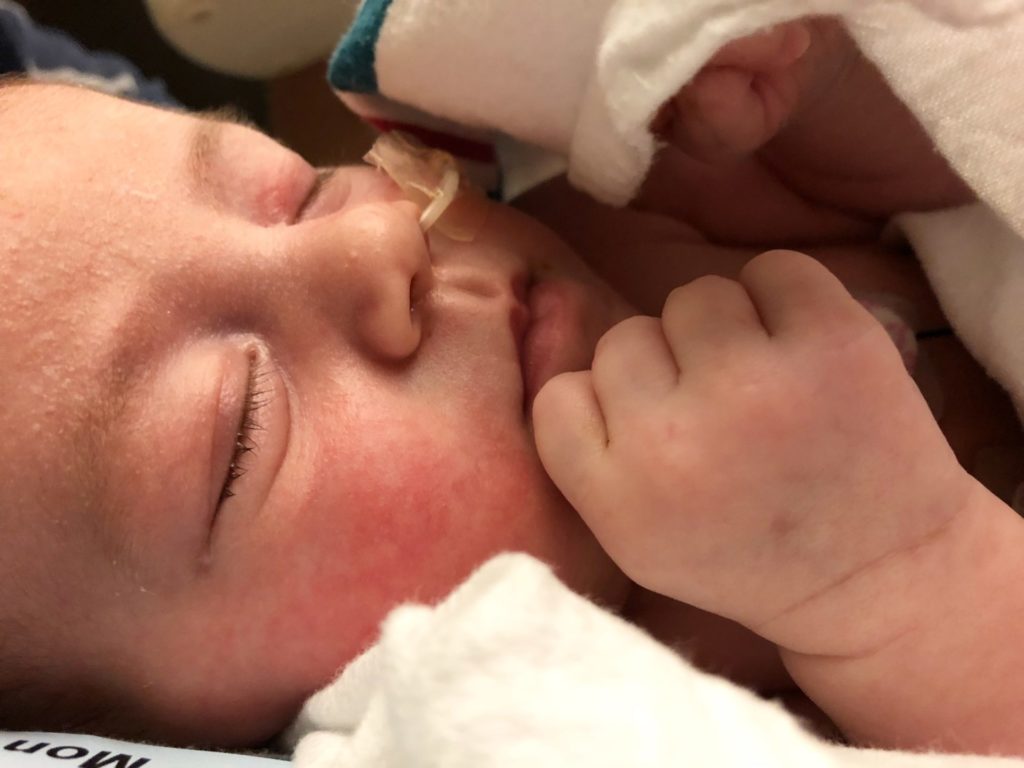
247 414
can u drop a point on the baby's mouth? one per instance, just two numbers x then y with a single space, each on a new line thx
552 341
520 319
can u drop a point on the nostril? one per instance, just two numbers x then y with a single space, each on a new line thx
389 332
421 284
521 285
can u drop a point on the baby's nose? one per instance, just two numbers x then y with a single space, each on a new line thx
368 268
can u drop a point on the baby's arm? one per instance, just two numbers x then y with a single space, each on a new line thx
760 452
945 671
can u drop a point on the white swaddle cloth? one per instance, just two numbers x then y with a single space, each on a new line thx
584 78
514 670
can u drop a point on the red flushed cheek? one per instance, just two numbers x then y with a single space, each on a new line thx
404 516
435 509
384 530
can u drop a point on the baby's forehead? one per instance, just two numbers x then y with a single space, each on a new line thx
37 115
50 299
42 129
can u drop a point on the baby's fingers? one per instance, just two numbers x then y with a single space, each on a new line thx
741 98
571 435
709 320
633 370
771 49
797 296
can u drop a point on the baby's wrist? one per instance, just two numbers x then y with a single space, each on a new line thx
890 596
954 599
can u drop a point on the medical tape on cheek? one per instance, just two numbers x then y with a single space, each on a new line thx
431 179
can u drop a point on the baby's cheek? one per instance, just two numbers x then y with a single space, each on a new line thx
404 515
438 504
406 518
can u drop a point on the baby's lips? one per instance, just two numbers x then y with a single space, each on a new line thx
431 179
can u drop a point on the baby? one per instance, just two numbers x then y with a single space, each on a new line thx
251 407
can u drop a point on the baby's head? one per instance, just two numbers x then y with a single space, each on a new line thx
248 409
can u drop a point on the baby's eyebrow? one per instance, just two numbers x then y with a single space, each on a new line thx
227 114
203 147
205 142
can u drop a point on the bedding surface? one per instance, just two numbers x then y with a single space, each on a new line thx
22 749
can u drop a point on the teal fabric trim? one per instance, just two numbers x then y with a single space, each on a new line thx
352 65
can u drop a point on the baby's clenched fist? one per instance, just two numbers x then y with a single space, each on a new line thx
756 446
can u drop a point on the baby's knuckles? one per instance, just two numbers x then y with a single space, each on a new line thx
691 468
646 506
765 481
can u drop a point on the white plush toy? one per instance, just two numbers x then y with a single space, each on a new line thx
252 38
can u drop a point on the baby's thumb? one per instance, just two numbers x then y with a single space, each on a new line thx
571 436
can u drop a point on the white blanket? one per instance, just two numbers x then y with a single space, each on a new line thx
513 670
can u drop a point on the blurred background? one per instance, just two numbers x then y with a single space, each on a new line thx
297 108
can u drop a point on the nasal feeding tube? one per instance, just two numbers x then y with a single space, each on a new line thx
431 179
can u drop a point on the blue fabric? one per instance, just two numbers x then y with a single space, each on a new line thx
29 48
353 65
